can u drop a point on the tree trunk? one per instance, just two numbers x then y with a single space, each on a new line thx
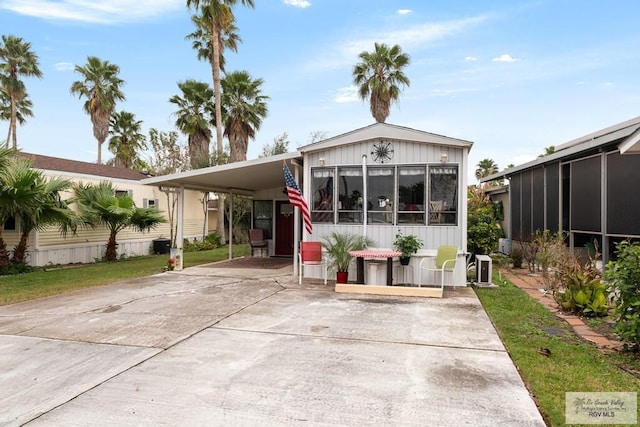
21 249
217 92
4 256
13 122
111 254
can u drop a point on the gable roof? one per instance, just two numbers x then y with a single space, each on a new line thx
388 131
56 164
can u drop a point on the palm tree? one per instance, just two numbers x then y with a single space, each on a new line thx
18 193
49 210
378 77
245 108
98 205
101 86
202 39
220 17
486 167
16 60
194 116
127 139
23 107
548 151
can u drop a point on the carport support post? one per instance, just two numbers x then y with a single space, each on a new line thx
180 230
230 233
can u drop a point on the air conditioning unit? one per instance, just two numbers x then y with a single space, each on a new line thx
483 270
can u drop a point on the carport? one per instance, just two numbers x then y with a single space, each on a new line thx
240 178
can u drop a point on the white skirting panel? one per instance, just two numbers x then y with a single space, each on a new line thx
89 252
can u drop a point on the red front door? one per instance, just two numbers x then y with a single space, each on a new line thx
284 229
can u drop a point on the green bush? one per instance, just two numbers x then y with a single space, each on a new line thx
624 277
578 288
212 241
16 268
516 257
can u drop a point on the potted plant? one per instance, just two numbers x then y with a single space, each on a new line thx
408 245
338 246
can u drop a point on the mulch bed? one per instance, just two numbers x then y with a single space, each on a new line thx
256 263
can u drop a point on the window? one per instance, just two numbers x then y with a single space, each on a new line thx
322 199
10 224
443 195
411 190
263 216
350 195
150 203
380 195
120 193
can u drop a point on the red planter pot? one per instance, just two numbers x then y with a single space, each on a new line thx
342 276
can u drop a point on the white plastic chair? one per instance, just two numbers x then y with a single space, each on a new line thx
445 262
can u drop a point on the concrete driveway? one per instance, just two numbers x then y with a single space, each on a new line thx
250 347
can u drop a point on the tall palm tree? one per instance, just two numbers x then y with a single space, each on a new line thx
245 108
101 86
127 139
98 205
202 39
486 167
23 107
16 60
194 117
220 16
379 76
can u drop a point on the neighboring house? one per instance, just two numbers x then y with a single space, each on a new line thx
587 188
416 184
88 245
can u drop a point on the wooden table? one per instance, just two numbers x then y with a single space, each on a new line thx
369 253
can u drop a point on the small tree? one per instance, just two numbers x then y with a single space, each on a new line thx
483 230
100 206
280 146
624 277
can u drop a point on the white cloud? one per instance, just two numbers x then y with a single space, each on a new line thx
63 66
404 11
297 3
93 11
505 57
409 38
470 58
347 94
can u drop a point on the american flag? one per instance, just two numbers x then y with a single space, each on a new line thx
295 197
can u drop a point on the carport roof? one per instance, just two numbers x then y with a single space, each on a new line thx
240 177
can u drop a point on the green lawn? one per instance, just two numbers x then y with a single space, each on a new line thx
525 327
56 280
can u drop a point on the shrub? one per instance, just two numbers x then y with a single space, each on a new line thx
483 229
578 287
16 268
624 277
211 241
516 257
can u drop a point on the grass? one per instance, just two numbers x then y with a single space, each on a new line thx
57 280
525 327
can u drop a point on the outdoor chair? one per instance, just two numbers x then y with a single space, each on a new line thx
445 261
435 211
258 243
311 256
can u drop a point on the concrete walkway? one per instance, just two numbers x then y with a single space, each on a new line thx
250 347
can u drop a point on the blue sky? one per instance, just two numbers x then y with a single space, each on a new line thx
511 76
